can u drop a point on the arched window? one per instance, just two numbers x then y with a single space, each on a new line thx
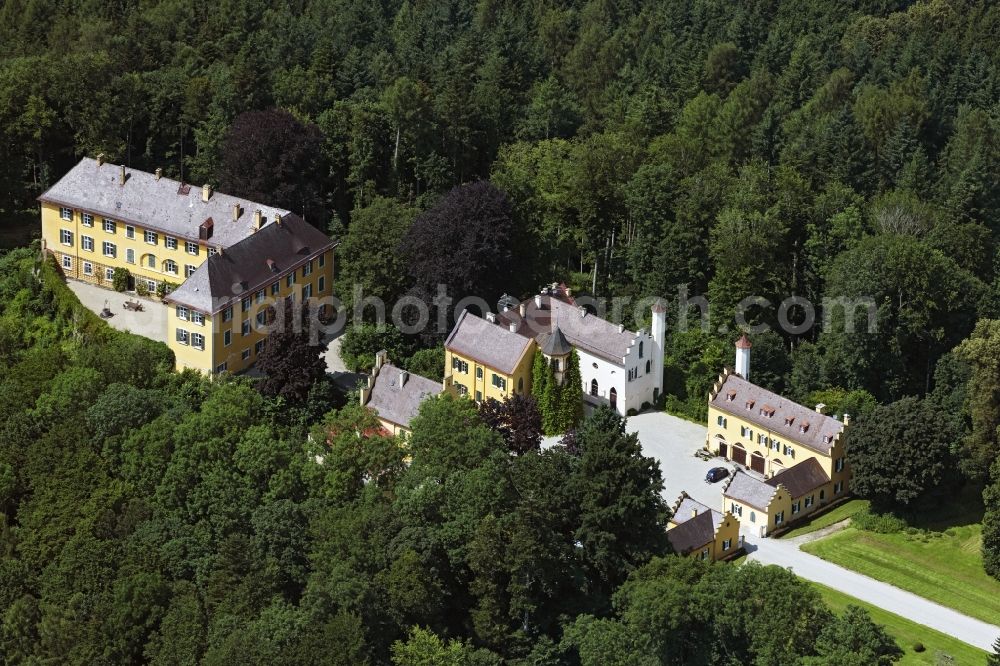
613 396
640 348
647 367
593 387
170 266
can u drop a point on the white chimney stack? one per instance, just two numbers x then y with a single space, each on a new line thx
206 192
159 173
403 376
743 357
538 301
523 309
513 327
847 420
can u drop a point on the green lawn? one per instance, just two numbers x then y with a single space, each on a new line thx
834 515
908 633
945 567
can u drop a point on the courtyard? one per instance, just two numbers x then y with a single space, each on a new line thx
150 323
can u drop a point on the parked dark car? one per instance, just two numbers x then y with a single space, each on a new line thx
716 474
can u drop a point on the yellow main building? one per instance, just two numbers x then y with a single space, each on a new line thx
221 261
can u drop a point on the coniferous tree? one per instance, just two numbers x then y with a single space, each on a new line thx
570 395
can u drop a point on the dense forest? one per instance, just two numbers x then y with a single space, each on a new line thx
754 149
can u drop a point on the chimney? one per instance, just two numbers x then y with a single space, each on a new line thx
100 159
159 173
513 327
847 420
381 358
257 219
820 408
694 513
121 176
491 317
621 328
583 311
403 376
523 309
219 250
236 211
206 192
569 293
277 219
366 391
743 357
538 301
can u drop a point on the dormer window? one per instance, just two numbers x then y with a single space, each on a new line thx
767 410
750 404
730 396
827 439
804 426
789 420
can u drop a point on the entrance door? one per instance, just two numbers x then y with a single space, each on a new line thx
613 397
723 449
757 463
739 455
130 285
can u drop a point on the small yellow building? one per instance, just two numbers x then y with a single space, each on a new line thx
222 259
486 360
780 501
697 531
395 394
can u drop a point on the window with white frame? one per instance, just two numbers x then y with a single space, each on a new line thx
87 243
109 274
779 518
727 544
499 382
211 251
151 285
259 347
290 280
275 288
88 268
151 260
67 262
66 237
198 318
245 304
245 354
321 283
795 507
259 296
227 314
130 255
719 420
183 337
109 226
129 231
171 242
109 249
809 501
198 340
190 248
66 214
219 369
704 554
307 269
151 237
227 338
87 219
840 464
189 270
322 260
245 329
182 312
261 318
170 266
307 291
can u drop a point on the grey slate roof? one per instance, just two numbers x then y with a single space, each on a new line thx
243 268
161 205
751 491
493 345
399 403
688 508
554 343
588 332
692 534
801 478
822 429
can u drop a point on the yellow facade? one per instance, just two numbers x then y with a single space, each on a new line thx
153 257
730 428
467 376
234 334
725 544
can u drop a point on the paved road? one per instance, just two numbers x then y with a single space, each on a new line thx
905 604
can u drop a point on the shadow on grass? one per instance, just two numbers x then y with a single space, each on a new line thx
960 509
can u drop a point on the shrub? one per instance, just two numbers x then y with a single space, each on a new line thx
164 288
120 279
918 647
881 523
141 289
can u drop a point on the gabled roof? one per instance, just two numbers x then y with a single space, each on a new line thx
493 345
686 508
554 343
251 264
801 478
161 204
749 490
583 330
399 401
692 534
752 403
